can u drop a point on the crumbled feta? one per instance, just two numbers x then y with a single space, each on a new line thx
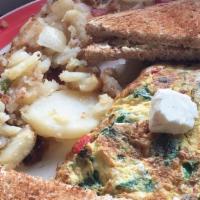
172 112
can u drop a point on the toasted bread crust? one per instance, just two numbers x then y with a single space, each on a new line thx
173 24
18 186
99 52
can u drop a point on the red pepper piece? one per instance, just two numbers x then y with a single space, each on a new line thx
155 70
80 144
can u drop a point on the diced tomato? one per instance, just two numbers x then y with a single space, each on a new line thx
155 70
80 144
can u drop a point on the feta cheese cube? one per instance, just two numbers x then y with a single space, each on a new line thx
172 112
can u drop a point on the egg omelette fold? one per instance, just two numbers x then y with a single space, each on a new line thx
124 159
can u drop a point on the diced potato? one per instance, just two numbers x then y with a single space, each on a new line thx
73 76
74 63
22 68
78 20
29 34
89 84
85 82
3 142
63 114
37 90
17 57
104 104
52 38
18 148
61 6
3 116
9 131
44 65
64 57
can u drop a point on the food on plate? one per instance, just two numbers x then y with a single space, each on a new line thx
46 90
144 144
163 32
122 157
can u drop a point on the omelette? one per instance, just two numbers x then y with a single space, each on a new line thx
123 158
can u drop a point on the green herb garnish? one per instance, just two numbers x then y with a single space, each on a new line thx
189 168
123 118
143 92
109 132
92 180
166 146
120 157
4 85
137 184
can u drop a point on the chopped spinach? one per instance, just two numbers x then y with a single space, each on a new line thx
92 180
123 118
109 132
137 184
120 157
83 153
4 85
143 92
166 146
189 168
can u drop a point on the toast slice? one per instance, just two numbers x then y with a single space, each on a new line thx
168 31
99 52
123 158
18 186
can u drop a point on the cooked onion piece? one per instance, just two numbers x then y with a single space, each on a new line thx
52 38
63 114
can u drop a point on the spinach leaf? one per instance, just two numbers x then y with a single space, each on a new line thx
109 132
120 157
92 180
189 168
143 92
137 184
123 118
4 85
166 146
